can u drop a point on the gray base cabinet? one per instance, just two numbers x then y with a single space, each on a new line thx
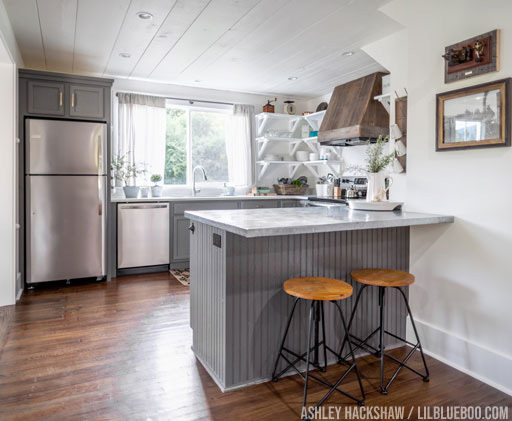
181 239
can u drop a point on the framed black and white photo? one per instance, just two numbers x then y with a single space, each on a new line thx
477 116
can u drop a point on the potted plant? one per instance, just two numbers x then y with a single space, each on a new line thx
117 167
156 189
131 172
376 161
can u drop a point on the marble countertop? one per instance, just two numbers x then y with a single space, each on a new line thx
204 198
287 221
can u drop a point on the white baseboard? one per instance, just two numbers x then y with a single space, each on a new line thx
484 364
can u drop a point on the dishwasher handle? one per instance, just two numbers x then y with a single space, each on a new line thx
145 206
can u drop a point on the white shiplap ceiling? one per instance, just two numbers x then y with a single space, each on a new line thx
240 45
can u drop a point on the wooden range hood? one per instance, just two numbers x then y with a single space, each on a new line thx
354 116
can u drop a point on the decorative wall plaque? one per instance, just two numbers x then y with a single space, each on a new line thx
472 57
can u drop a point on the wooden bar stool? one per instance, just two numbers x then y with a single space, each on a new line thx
317 290
383 279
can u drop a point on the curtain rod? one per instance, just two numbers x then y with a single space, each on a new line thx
191 101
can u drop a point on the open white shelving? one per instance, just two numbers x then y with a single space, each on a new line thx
333 166
265 122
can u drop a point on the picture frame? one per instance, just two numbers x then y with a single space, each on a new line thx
474 117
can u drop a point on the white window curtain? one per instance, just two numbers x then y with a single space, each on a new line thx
140 133
239 146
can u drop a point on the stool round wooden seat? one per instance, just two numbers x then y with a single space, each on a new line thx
317 288
383 277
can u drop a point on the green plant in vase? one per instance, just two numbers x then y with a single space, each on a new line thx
117 167
156 189
376 162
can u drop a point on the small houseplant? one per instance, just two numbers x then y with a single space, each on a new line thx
376 161
156 189
118 167
131 171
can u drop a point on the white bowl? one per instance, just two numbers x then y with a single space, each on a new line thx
302 156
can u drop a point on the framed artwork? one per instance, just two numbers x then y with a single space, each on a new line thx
474 117
472 57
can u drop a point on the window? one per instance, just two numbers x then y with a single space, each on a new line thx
195 136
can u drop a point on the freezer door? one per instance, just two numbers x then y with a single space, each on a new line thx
65 147
65 227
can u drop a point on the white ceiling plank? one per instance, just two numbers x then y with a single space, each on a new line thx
249 24
25 24
218 17
58 28
98 24
233 45
182 16
137 34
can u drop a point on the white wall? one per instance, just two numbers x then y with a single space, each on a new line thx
9 59
461 299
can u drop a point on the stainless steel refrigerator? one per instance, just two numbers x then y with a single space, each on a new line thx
65 200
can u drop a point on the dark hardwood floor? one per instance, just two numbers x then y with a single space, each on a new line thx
121 351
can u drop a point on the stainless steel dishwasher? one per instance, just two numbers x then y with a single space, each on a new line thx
142 235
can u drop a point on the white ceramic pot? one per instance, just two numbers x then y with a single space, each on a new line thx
376 191
144 192
156 191
131 192
313 156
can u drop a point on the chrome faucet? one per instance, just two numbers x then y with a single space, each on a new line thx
194 190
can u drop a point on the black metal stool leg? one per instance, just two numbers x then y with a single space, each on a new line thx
381 339
323 337
351 350
317 332
352 315
426 377
274 378
310 326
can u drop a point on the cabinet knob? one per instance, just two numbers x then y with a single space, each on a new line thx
192 228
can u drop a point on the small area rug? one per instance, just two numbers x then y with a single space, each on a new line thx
182 275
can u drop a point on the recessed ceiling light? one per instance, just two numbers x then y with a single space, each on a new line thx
125 55
293 78
348 53
197 81
144 15
162 36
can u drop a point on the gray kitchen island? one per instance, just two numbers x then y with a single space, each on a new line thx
241 258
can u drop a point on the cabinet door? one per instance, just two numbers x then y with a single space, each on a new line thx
45 98
181 238
86 101
259 204
290 203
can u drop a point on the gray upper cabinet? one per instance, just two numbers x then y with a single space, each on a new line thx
46 98
86 101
